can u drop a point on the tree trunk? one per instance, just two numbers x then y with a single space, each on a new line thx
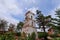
43 28
45 37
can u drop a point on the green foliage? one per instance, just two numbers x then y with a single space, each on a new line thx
53 35
43 20
57 20
33 36
3 24
7 36
18 34
29 37
57 38
42 34
2 37
23 36
20 25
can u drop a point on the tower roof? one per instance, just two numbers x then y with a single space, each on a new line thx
29 12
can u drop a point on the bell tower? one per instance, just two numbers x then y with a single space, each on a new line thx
29 23
29 20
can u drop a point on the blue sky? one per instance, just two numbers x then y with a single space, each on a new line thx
14 10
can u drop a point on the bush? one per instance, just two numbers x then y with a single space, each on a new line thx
54 35
2 37
23 36
29 37
18 34
33 36
7 36
42 34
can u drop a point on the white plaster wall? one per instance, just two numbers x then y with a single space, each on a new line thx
29 16
30 30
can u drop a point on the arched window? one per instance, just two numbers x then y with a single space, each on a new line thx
32 23
31 17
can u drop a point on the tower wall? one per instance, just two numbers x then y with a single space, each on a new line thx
29 25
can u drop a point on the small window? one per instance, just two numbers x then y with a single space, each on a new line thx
32 23
31 17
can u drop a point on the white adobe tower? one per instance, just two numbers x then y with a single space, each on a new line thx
29 25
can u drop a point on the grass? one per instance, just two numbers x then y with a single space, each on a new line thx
57 38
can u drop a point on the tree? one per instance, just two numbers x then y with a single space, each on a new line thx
3 25
9 36
23 36
20 25
33 36
57 19
11 27
42 20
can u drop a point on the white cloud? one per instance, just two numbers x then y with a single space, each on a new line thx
58 7
14 7
9 8
52 13
56 3
30 1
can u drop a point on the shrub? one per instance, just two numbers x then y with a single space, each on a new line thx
18 34
2 37
9 36
23 36
29 37
42 34
33 36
